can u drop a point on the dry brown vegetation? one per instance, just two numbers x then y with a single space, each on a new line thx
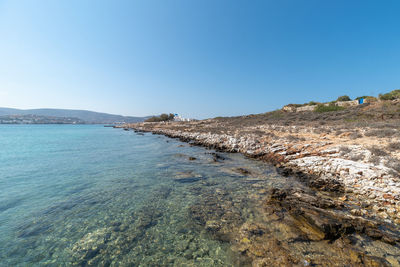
373 115
375 126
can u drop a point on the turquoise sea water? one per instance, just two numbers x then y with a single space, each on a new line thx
90 195
86 195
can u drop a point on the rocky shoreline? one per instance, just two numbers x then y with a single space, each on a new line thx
320 164
346 214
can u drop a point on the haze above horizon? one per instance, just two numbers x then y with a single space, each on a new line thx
196 58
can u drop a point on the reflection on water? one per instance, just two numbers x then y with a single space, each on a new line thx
140 201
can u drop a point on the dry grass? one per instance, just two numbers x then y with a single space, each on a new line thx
375 151
372 126
394 146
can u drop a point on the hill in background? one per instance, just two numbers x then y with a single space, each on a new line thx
84 115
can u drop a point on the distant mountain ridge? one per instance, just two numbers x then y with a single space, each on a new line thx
84 115
36 119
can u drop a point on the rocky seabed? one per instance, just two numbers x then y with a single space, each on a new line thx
376 186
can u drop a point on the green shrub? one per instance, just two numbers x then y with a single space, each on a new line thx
365 97
295 105
371 99
395 94
275 114
322 108
344 98
162 117
312 103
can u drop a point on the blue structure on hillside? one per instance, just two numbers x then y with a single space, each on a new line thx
361 101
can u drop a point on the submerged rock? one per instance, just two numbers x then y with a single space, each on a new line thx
243 171
92 244
217 157
321 162
187 177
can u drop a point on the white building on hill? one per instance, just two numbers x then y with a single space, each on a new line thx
180 118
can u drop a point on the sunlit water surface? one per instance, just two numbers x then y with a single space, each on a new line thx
86 194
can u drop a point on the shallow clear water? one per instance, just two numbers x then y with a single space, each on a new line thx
88 194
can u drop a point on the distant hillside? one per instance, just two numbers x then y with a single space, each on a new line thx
35 119
84 115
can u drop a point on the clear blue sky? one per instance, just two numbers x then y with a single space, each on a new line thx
199 58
